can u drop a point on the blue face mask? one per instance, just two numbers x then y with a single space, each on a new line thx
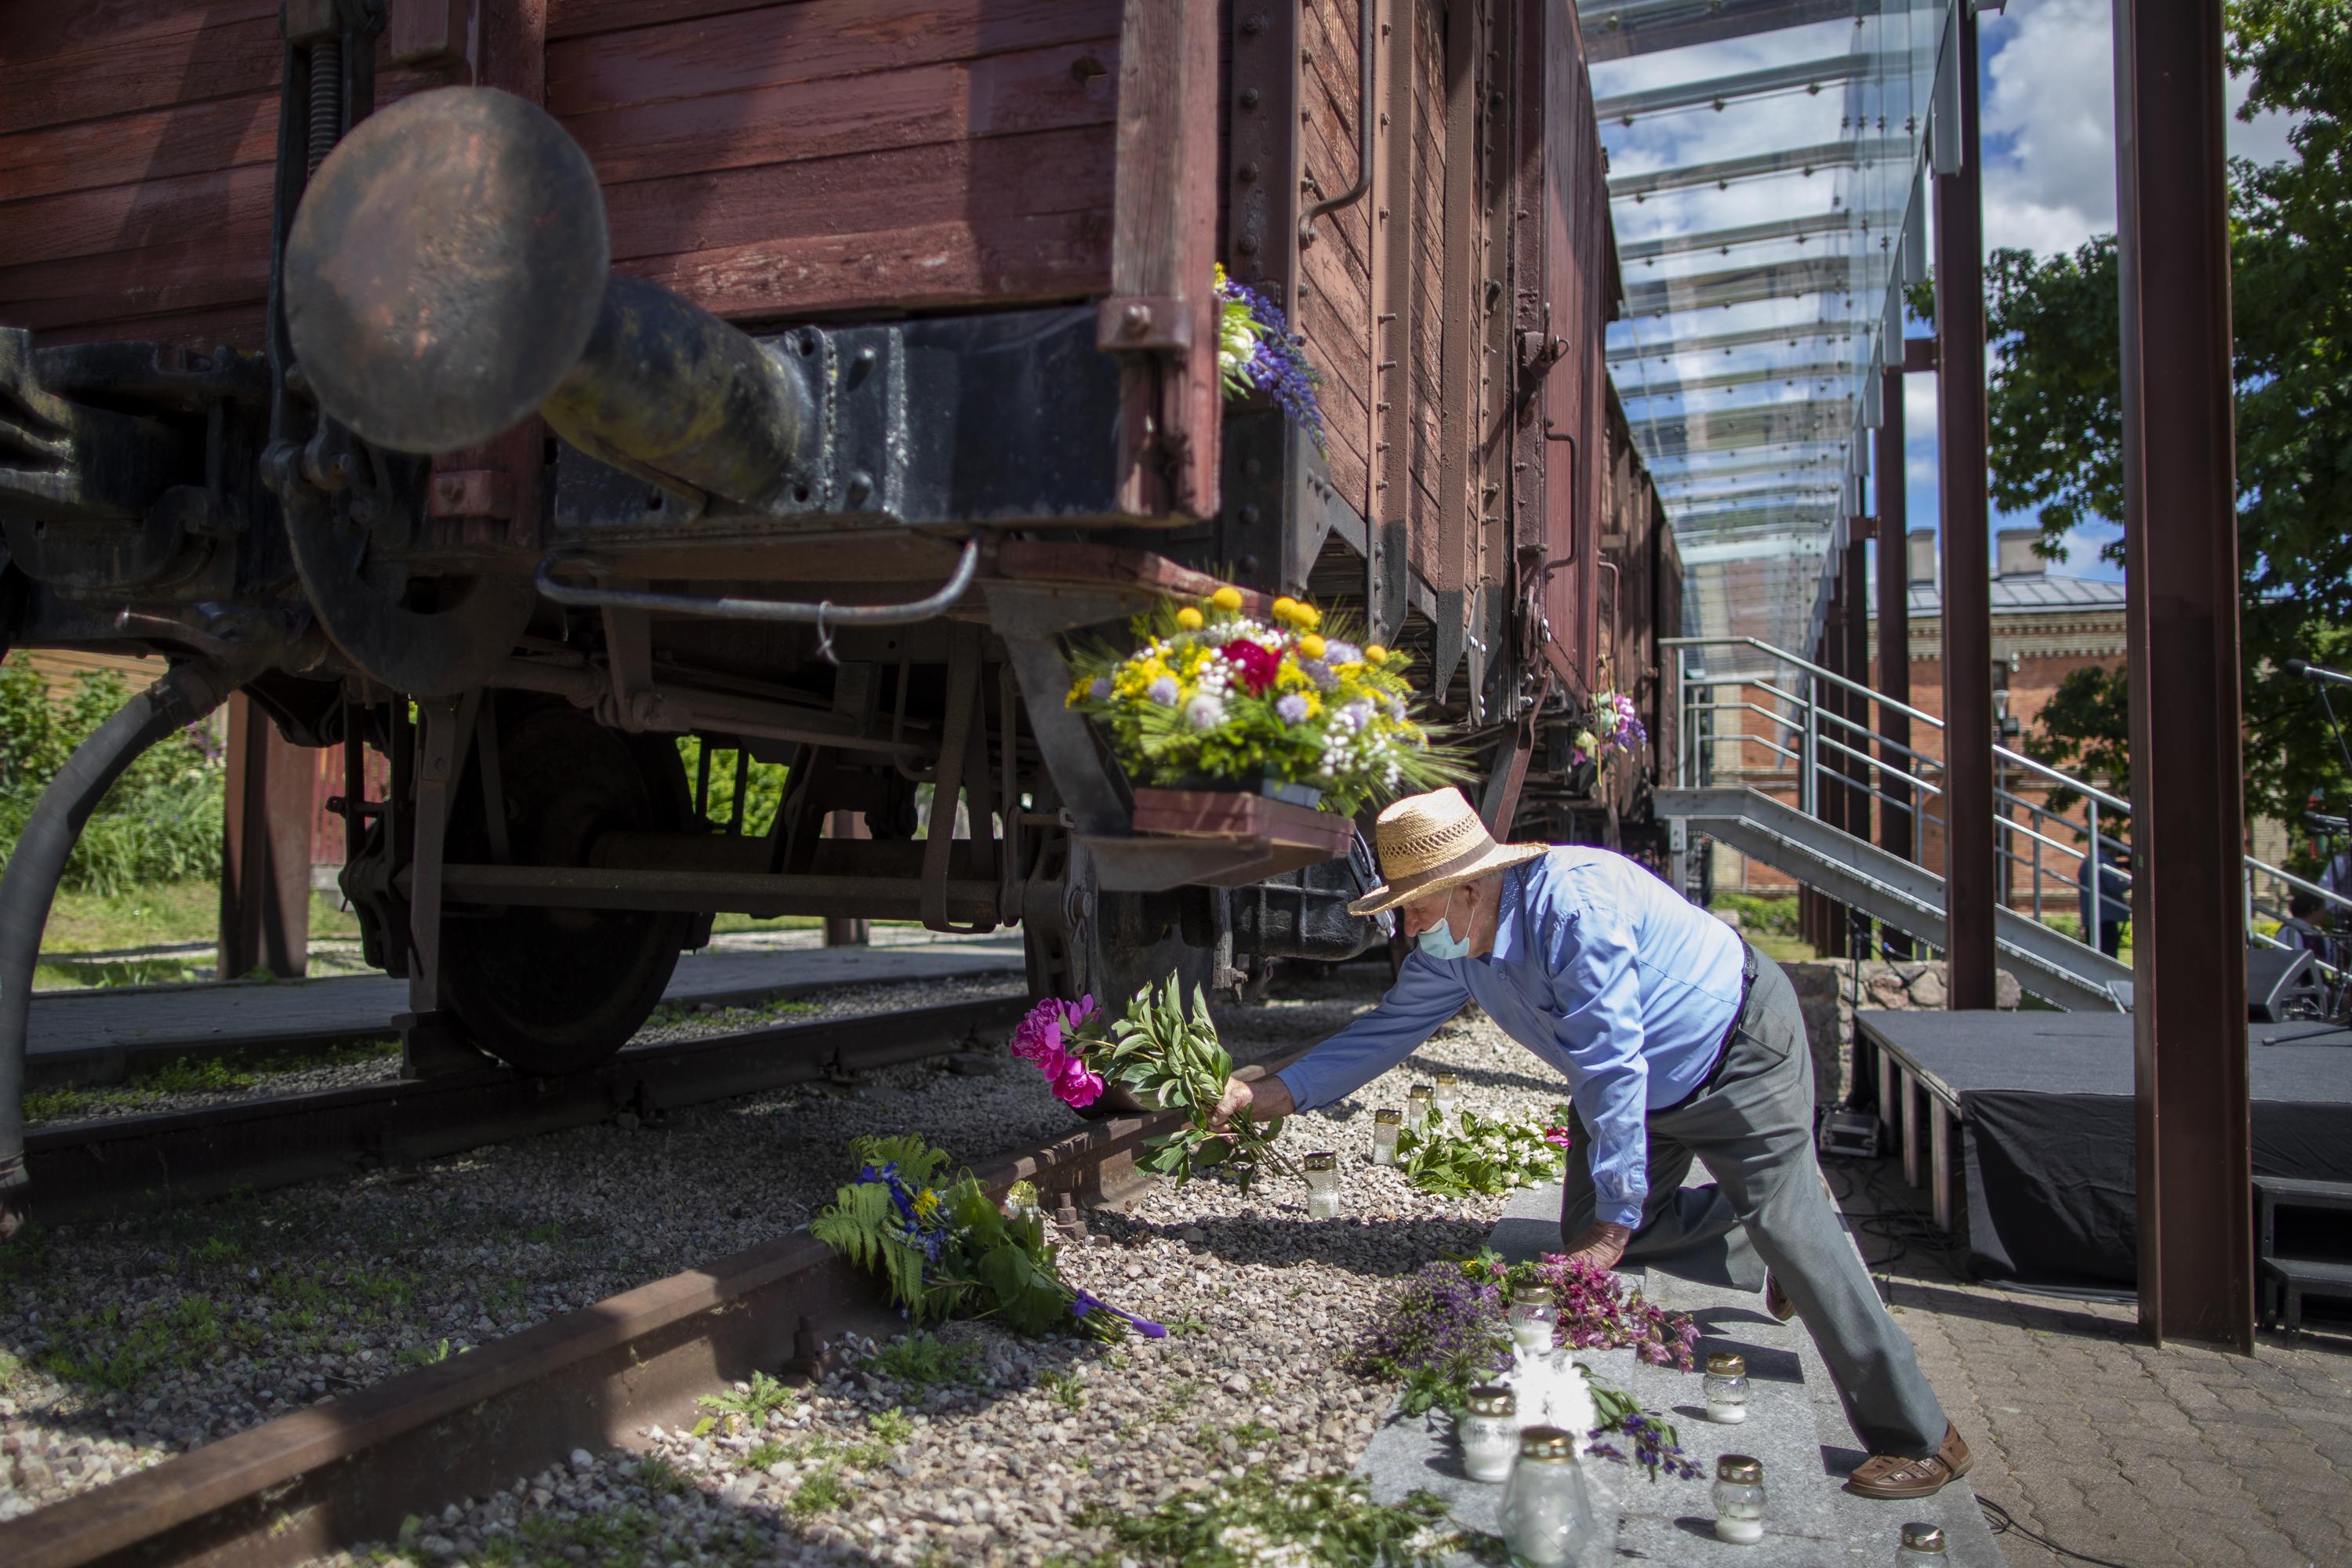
1440 942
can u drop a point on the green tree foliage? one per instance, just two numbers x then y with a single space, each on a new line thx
162 820
763 785
2055 409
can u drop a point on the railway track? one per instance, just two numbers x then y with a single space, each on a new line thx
353 1468
83 1168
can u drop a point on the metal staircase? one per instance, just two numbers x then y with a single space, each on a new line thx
1790 713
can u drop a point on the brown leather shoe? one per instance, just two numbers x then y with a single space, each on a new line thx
1775 1301
1887 1475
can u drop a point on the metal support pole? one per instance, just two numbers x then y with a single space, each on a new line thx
265 889
1831 791
1897 831
842 931
1857 709
2189 941
1969 881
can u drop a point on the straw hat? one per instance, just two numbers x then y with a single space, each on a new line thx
1431 842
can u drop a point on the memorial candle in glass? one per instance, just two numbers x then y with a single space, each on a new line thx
1449 1093
1739 1499
1547 1512
1727 1388
1533 1318
1416 1106
1323 1186
1923 1547
1489 1430
1385 1124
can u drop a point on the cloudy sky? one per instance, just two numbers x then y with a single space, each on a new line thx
2049 185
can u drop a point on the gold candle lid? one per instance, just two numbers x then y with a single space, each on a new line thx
1418 1091
1724 1364
1739 1467
1446 1079
1323 1160
1923 1538
1386 1117
1545 1443
1533 1295
1492 1399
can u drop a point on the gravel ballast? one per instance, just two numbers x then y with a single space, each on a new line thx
327 1288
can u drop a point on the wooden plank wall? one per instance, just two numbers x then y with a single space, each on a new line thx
834 156
1334 311
814 156
136 139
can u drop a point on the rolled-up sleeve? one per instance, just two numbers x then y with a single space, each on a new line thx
1425 995
1597 992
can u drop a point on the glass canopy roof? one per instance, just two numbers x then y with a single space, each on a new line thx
1765 180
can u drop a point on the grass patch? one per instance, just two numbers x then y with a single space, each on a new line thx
1064 1389
162 914
920 1363
153 1081
1769 917
749 1405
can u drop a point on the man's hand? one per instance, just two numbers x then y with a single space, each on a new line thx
1602 1243
1266 1099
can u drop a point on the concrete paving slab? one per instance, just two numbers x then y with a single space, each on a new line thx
1794 1427
92 1036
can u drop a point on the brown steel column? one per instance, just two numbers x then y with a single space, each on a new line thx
1896 833
1968 880
265 890
2189 932
1829 797
1856 668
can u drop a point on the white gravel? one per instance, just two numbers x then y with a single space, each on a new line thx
229 1314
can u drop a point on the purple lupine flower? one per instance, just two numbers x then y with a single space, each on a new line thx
1089 1302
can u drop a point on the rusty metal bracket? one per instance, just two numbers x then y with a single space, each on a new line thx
1262 241
1354 192
1141 322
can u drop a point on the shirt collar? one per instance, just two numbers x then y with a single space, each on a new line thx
1510 920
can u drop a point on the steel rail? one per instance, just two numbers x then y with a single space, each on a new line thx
351 1470
85 1167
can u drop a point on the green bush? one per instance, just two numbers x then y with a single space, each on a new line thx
763 785
162 820
1769 916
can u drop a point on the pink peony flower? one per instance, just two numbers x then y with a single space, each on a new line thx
1074 1084
1048 1036
1257 665
1560 1138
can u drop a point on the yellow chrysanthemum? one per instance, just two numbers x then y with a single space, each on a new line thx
1307 616
1376 656
1227 599
1312 646
1189 618
1285 607
1079 689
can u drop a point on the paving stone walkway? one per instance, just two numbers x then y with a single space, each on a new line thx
2144 1457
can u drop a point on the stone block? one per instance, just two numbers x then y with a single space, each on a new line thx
1928 987
1886 989
2006 993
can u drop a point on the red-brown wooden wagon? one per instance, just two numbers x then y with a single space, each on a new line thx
904 371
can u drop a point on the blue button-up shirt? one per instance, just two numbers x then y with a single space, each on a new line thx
1615 981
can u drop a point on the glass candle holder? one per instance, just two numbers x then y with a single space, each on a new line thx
1489 1430
1386 1123
1534 1318
1727 1388
1416 1106
1923 1547
1547 1518
1323 1185
1739 1499
1449 1093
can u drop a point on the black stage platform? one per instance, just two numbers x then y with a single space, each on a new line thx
2042 1102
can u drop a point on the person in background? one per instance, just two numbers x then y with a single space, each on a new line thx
2104 925
2301 928
1679 1041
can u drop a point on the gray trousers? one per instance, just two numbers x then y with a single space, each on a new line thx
1752 1129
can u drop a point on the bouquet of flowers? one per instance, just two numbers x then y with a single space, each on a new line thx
1211 693
945 1250
1613 725
1484 1155
1256 352
1597 1310
1167 1060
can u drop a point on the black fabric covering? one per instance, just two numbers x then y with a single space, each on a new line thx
2050 1134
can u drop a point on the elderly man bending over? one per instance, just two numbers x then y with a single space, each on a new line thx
1678 1042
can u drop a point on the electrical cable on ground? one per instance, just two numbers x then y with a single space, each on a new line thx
2002 1522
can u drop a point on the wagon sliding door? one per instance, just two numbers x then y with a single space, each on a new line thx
1561 320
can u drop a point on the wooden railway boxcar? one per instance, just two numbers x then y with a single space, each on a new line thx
312 375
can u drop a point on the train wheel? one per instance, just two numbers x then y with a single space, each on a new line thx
553 990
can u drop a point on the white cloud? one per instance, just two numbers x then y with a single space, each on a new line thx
2049 125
